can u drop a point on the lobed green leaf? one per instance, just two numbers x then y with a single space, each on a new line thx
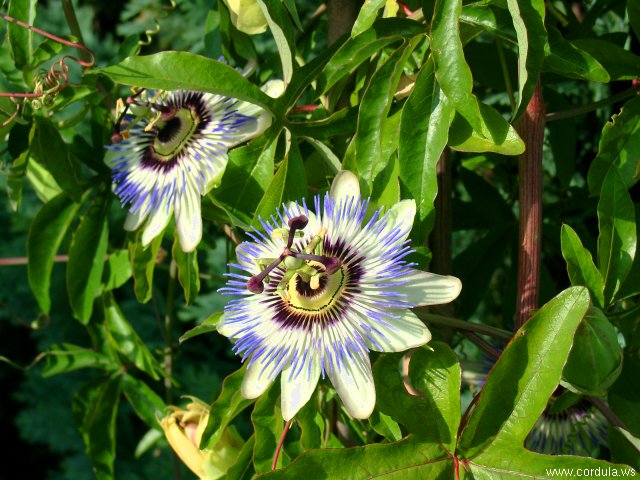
66 357
524 377
143 263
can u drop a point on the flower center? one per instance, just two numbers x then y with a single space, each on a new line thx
174 133
304 297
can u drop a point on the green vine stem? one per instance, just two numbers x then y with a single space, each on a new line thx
530 126
458 324
590 107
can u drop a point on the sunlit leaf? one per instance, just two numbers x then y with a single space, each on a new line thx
424 128
582 271
528 20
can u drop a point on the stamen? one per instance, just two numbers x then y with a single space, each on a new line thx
156 106
331 264
296 223
255 285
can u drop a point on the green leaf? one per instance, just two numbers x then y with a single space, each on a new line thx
528 20
146 403
182 70
42 182
188 271
624 399
619 146
117 270
18 145
367 161
87 258
124 339
330 158
580 267
66 357
631 284
357 50
246 178
492 19
45 237
434 371
424 129
384 425
435 413
513 461
143 264
267 425
405 460
225 408
243 468
619 63
283 34
564 58
21 38
207 326
496 134
595 360
48 149
633 10
524 377
94 408
288 184
312 425
366 17
452 71
617 239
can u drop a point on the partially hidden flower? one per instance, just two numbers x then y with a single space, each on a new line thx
577 429
337 286
246 16
174 152
183 429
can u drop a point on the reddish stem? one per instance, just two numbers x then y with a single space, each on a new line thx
280 444
531 128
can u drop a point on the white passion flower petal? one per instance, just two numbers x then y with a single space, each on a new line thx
342 289
297 386
425 288
175 151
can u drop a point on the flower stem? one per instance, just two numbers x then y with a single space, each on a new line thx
574 112
169 321
607 412
274 464
457 324
531 128
72 21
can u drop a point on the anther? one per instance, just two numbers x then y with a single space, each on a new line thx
296 223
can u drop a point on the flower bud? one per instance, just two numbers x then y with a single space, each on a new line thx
246 16
344 185
183 429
